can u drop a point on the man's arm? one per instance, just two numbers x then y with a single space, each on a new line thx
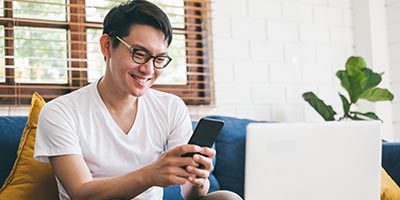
75 176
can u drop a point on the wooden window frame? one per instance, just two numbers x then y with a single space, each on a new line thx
199 89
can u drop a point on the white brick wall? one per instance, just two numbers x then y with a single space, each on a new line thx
393 24
297 12
329 15
314 34
241 27
300 53
282 31
267 53
271 10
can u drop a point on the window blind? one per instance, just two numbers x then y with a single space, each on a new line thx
51 46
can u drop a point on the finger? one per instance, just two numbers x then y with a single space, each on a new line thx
209 152
179 171
178 180
172 180
199 182
166 174
205 162
179 162
199 173
183 149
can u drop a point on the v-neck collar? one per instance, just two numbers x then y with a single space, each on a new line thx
107 114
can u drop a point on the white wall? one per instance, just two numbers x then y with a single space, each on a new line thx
370 33
267 53
393 27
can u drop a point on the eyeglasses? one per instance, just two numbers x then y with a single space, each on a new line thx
142 56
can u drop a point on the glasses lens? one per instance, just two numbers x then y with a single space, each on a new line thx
140 56
161 61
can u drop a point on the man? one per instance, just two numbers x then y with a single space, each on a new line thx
107 140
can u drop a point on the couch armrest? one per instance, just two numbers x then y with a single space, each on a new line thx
391 159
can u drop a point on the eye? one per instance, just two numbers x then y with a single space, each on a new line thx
139 54
161 59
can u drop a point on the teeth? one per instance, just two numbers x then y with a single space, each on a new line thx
142 80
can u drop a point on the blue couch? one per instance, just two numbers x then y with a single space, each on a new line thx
228 173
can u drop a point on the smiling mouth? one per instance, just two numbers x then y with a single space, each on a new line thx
139 79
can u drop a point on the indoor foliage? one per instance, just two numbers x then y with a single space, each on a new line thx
360 82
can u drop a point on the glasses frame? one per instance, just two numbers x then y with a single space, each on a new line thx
134 50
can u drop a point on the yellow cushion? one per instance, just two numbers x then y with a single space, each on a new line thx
389 189
30 179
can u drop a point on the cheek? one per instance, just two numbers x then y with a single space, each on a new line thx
121 60
123 66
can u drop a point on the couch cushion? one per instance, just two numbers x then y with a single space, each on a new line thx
11 128
391 159
231 146
172 193
389 189
30 179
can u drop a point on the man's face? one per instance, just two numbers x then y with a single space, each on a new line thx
129 76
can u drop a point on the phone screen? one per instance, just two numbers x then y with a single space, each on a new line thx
205 133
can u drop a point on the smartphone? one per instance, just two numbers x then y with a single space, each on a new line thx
205 133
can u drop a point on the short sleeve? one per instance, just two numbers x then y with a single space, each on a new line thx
180 122
56 132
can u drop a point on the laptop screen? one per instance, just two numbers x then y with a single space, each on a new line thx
326 160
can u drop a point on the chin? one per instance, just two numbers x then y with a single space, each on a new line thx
138 93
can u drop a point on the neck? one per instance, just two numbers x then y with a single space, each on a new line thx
115 101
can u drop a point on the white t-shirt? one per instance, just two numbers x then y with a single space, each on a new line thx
79 123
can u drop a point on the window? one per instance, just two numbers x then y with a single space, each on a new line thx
40 55
2 56
51 46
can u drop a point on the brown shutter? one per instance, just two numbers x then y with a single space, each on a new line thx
45 47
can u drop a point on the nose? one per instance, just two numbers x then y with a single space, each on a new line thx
147 68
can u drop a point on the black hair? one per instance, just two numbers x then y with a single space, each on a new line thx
119 19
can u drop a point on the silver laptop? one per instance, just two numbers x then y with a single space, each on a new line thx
313 161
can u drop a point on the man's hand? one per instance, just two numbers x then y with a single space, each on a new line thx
171 168
198 183
190 172
200 174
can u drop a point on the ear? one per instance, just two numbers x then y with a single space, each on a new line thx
106 45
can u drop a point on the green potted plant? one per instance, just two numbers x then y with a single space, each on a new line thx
360 82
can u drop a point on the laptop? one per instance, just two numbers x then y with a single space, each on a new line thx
313 161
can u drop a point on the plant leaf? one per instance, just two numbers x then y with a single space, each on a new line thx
344 80
355 64
324 110
346 104
369 115
355 117
354 68
373 79
351 84
377 94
